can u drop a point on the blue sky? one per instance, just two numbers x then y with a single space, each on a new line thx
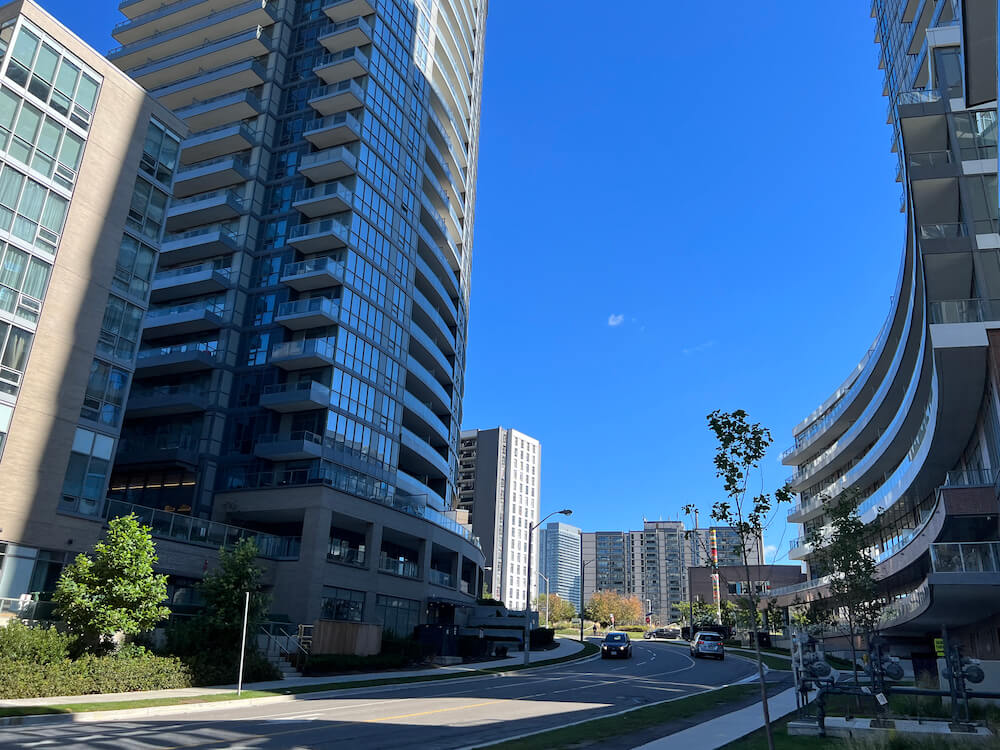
677 212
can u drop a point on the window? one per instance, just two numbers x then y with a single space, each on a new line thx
15 344
40 67
38 141
397 616
159 153
134 270
23 279
342 604
105 396
87 472
30 211
6 412
948 71
148 210
119 329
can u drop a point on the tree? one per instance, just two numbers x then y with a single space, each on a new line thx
604 604
741 447
224 593
853 587
115 590
703 612
559 610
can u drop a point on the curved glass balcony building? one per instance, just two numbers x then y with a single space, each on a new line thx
912 436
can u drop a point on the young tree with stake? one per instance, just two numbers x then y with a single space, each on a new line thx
741 447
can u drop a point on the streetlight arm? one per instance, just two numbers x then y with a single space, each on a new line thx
527 593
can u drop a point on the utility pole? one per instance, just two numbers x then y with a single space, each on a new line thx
527 593
243 643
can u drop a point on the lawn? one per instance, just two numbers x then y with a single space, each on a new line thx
593 732
84 706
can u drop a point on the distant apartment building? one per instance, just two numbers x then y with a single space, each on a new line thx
652 564
499 485
87 159
559 560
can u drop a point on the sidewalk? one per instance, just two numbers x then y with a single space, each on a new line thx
564 647
722 730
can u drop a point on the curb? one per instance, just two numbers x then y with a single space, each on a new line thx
82 717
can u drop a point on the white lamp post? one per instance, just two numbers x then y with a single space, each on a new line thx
527 594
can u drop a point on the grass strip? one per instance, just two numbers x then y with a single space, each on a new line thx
84 707
594 732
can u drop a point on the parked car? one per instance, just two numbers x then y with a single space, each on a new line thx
616 644
708 644
662 633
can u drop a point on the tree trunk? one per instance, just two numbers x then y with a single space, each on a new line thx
854 651
756 644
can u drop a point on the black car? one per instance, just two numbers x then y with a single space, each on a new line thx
662 633
616 644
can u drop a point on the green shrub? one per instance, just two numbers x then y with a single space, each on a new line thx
132 669
18 642
324 664
222 667
632 629
541 637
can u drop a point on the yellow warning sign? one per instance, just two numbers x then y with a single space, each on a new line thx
939 646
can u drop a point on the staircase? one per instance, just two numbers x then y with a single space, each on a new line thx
283 666
278 646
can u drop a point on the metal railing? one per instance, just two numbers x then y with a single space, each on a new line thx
965 557
404 568
184 528
273 639
442 578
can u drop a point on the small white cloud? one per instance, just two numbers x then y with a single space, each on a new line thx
615 320
698 347
770 551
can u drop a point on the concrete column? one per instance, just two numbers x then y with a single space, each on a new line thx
307 590
425 559
374 541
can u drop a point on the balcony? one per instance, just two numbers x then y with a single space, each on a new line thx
190 281
437 257
221 172
176 359
403 568
160 451
315 273
200 31
354 32
931 164
342 66
167 16
343 96
423 419
334 130
428 317
164 400
210 84
313 312
217 142
212 534
293 446
244 45
329 164
441 578
194 317
443 298
339 10
433 351
323 200
422 457
198 244
304 354
342 553
964 311
287 398
201 116
425 386
319 236
207 208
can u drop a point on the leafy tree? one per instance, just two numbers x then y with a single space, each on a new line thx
224 593
604 604
559 610
741 447
853 584
703 612
115 590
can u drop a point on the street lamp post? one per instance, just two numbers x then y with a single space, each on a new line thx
527 593
542 575
583 565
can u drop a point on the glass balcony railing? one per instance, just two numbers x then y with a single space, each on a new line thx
966 557
337 57
924 159
180 527
918 97
796 587
343 552
965 310
304 347
321 305
325 190
208 347
169 392
176 273
944 231
327 226
200 232
229 195
333 89
238 162
441 578
314 265
404 568
161 314
332 121
902 606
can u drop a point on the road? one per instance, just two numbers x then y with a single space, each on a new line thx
446 714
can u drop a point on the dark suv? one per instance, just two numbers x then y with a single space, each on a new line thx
616 644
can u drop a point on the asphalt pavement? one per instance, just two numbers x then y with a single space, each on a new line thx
448 714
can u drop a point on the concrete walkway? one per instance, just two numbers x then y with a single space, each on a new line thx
724 729
564 647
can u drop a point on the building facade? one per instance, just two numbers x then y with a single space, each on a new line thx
912 437
86 163
652 564
499 485
559 560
